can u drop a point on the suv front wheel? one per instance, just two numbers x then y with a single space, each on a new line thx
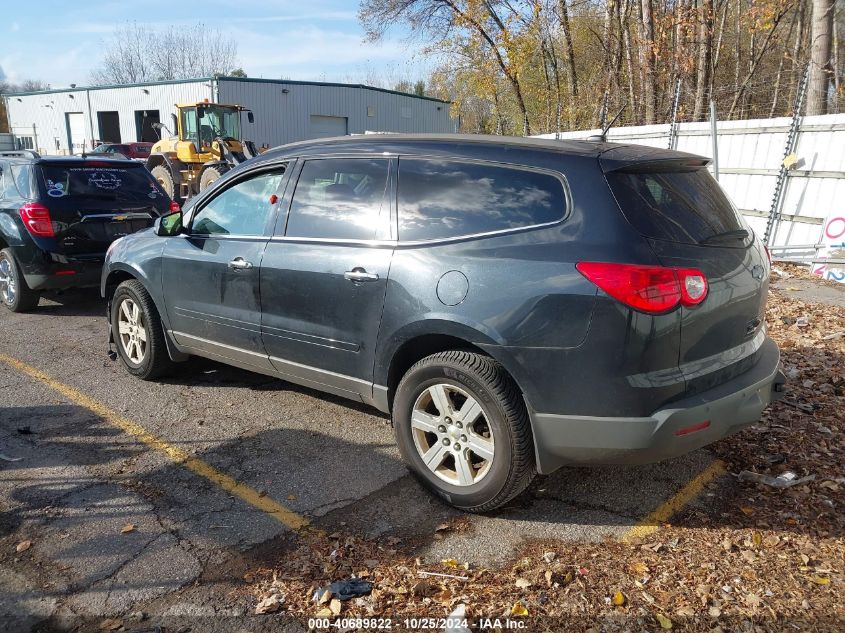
137 331
461 425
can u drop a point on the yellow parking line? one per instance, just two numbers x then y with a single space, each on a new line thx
283 515
652 522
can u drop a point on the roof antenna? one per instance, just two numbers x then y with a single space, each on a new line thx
602 138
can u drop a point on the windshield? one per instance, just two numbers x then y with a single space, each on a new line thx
101 183
218 121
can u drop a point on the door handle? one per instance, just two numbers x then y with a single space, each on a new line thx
239 263
359 274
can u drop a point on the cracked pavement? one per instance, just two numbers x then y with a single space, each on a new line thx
80 481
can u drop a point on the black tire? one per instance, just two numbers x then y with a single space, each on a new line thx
21 298
210 175
155 360
162 174
512 467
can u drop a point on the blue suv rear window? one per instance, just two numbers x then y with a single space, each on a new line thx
100 182
441 199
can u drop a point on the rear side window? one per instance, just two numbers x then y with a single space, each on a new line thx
441 199
341 198
21 180
101 183
678 206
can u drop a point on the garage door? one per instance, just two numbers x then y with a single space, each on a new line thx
75 132
323 126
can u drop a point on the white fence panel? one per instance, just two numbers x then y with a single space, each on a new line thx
750 156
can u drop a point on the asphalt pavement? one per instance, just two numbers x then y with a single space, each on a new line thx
153 498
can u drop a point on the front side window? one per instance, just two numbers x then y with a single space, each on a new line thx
341 198
242 209
440 199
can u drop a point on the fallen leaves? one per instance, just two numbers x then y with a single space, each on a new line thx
519 610
270 604
663 621
23 546
746 551
128 528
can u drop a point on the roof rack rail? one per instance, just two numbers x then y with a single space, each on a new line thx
28 153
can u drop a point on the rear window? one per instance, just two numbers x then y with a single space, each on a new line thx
101 182
142 149
678 206
441 199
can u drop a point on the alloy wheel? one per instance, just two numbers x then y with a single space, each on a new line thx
452 435
8 284
133 334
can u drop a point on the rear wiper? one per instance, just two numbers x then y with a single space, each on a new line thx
736 234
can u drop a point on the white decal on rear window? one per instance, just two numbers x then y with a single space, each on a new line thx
55 189
104 180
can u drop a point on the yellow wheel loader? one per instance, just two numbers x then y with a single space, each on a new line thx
206 143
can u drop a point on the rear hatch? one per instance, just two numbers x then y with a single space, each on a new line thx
94 202
680 209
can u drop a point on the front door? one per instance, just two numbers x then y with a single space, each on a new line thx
324 275
210 275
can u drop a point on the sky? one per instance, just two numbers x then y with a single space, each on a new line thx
61 41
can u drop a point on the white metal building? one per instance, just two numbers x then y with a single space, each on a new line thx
71 120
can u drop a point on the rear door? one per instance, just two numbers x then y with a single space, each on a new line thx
324 274
92 203
210 275
690 223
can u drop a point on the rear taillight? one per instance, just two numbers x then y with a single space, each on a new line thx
693 286
651 289
174 206
36 219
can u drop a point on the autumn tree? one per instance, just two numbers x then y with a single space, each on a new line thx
821 67
135 54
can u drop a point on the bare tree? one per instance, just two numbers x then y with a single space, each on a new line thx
820 56
706 19
135 54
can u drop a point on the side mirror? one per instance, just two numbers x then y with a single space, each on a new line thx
200 112
250 117
168 225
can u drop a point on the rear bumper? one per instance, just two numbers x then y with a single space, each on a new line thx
565 440
62 275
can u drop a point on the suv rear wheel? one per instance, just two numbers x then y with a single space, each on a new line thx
461 425
137 331
14 293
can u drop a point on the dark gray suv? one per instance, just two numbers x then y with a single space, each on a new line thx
515 304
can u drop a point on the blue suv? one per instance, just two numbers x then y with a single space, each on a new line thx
515 304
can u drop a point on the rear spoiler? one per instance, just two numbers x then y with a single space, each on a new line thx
640 159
